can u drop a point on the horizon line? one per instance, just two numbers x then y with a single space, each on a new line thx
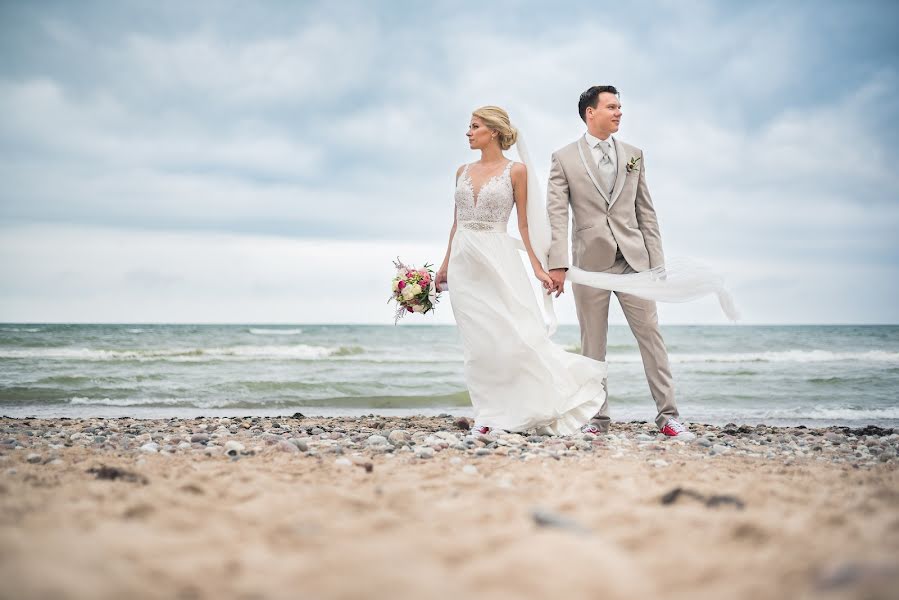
376 324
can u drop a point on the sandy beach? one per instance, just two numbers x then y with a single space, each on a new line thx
374 507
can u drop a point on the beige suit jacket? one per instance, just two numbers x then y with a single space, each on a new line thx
602 222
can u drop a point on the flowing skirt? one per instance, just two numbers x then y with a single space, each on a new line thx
518 379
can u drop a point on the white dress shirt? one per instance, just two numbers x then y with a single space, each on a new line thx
593 142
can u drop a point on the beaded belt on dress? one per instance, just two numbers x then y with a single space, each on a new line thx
483 226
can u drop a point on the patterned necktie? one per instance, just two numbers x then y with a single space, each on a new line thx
606 168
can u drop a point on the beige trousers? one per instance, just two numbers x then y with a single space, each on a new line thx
593 313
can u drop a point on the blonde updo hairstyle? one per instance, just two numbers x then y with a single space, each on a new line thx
498 120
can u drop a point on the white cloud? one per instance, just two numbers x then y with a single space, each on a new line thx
108 275
91 274
320 61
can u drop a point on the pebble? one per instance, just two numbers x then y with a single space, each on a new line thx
33 458
377 440
199 438
424 452
545 518
397 437
470 470
233 448
150 448
645 438
285 446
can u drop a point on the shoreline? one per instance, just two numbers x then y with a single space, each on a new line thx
415 507
403 434
141 413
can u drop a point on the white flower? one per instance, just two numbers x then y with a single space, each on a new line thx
396 283
418 308
408 294
416 289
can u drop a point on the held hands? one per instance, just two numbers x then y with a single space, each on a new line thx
558 281
544 278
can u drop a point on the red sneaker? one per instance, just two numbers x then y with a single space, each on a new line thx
591 428
674 429
479 430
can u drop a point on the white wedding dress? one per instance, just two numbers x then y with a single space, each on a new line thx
518 379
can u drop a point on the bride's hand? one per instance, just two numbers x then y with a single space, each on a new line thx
440 277
545 279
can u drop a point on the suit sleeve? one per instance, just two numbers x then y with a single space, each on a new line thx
557 199
647 221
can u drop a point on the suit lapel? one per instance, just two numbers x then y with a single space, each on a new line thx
621 176
590 166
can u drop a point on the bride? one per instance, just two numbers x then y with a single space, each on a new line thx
518 379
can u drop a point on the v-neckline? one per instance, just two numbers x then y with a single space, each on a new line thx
477 195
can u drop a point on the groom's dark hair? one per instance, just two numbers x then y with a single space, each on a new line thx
591 98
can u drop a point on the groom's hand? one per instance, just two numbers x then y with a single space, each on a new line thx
558 277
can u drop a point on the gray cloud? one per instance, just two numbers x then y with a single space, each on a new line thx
769 129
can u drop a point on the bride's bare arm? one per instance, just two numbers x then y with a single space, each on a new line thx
442 271
520 194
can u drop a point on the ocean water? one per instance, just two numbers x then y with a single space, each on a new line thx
811 375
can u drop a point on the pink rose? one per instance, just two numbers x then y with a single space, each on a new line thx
401 284
409 308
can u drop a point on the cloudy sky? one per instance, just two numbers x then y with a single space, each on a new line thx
265 162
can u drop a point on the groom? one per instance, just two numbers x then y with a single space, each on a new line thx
615 231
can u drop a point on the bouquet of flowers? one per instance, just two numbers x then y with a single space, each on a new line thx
414 290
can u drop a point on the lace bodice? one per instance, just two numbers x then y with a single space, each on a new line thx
493 203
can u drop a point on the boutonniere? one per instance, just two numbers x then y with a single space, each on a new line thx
632 164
